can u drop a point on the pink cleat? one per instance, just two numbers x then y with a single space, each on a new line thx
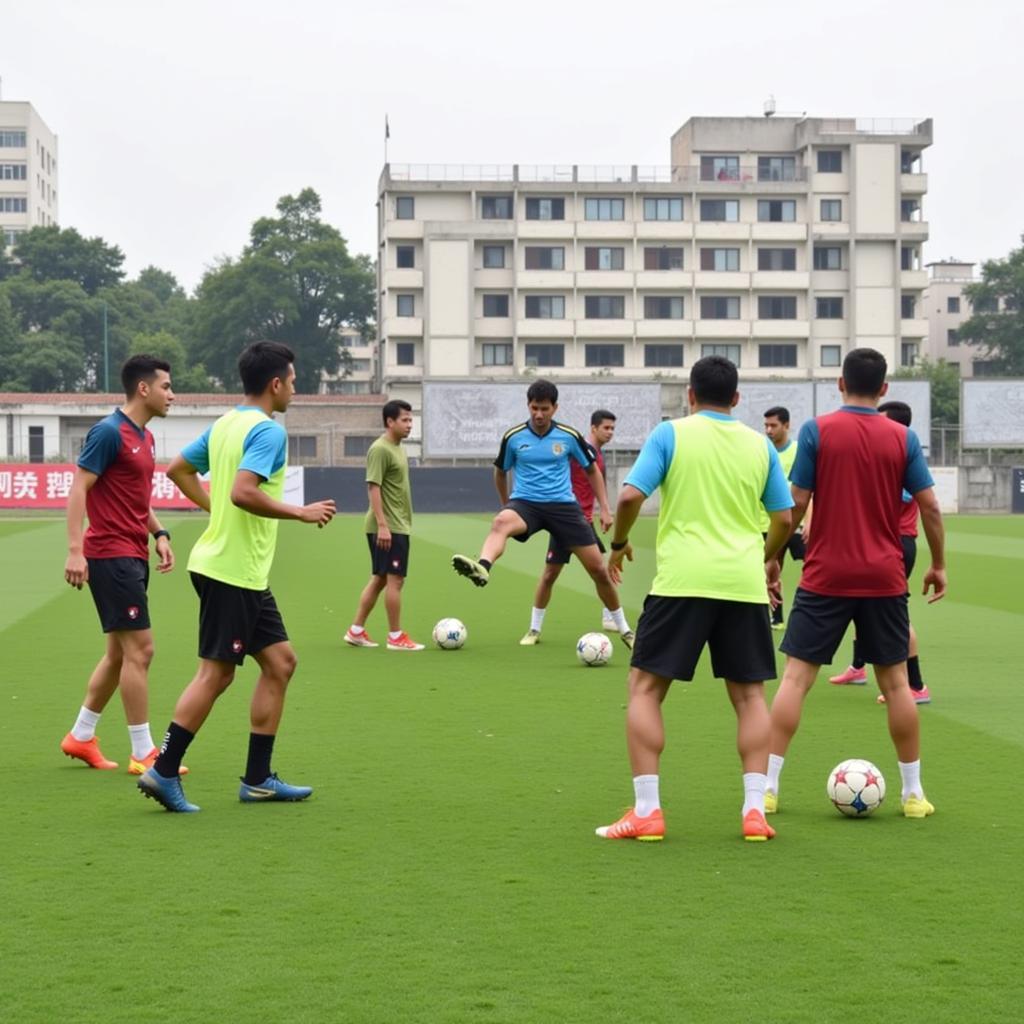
851 677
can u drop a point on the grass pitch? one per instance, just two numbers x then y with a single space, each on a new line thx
446 870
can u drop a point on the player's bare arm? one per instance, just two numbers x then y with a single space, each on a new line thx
779 531
164 552
377 506
246 494
801 502
501 485
935 532
597 485
186 477
76 568
631 500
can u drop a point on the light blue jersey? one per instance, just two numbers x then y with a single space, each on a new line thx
540 464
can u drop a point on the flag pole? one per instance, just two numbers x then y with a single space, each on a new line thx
387 135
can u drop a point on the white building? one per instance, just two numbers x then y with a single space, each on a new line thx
363 366
778 242
28 171
946 308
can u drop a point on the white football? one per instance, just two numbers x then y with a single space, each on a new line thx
856 787
594 649
450 634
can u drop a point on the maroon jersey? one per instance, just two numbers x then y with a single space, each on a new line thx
581 488
908 518
122 455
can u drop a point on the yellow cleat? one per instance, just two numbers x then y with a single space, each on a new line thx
771 802
531 639
917 807
139 765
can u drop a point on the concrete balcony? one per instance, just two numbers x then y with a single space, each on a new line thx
604 328
788 329
614 229
830 280
663 230
914 328
827 230
665 330
785 230
558 230
721 230
495 279
914 230
833 184
550 280
913 184
402 229
492 327
605 280
536 327
780 280
911 279
403 279
664 280
403 327
831 330
721 280
731 329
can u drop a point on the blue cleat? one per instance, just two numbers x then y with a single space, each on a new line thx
167 792
271 789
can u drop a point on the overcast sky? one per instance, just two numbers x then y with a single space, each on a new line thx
180 123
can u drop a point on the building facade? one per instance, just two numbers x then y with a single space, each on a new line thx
947 308
362 366
778 242
28 172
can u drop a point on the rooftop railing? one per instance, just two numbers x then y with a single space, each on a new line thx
584 174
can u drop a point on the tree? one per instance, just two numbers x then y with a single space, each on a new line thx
62 254
186 378
997 323
294 282
945 381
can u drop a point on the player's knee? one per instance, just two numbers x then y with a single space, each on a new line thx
141 654
287 663
599 573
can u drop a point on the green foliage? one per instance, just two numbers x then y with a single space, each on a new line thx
294 282
945 381
186 378
997 323
62 254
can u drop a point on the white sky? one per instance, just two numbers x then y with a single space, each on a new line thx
180 123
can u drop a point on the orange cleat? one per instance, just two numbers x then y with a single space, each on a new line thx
136 765
755 828
403 643
87 751
649 829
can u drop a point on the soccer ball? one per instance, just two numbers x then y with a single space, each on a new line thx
450 634
856 787
594 649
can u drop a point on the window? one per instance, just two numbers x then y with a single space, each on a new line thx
829 307
495 305
830 161
604 257
545 355
494 257
13 172
776 307
405 353
719 259
356 446
663 208
731 352
831 355
36 446
720 209
776 259
910 210
11 236
604 355
907 306
405 305
831 209
545 257
908 353
496 207
663 355
405 256
405 208
13 140
13 204
776 168
604 209
545 209
720 307
952 338
984 368
776 209
776 355
908 161
719 168
953 304
545 307
908 257
605 307
663 307
828 257
497 353
301 446
663 258
986 305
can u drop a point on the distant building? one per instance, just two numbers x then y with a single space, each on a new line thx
779 242
946 308
28 172
361 379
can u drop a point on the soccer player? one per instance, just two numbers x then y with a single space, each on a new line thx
112 485
244 453
388 525
776 426
714 573
538 453
854 567
602 430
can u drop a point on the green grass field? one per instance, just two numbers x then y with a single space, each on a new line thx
446 870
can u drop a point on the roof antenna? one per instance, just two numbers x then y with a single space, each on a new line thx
769 106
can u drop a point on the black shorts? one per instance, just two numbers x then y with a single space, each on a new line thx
673 631
564 520
558 555
818 622
795 546
233 621
909 545
394 561
118 588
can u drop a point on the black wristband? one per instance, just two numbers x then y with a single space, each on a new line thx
161 533
620 547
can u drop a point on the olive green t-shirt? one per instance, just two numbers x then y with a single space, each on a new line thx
388 467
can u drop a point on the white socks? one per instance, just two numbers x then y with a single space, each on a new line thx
142 740
85 725
537 619
394 634
356 630
775 764
645 789
911 775
620 619
753 791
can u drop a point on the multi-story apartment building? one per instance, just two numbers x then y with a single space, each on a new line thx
362 375
28 171
778 242
946 308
